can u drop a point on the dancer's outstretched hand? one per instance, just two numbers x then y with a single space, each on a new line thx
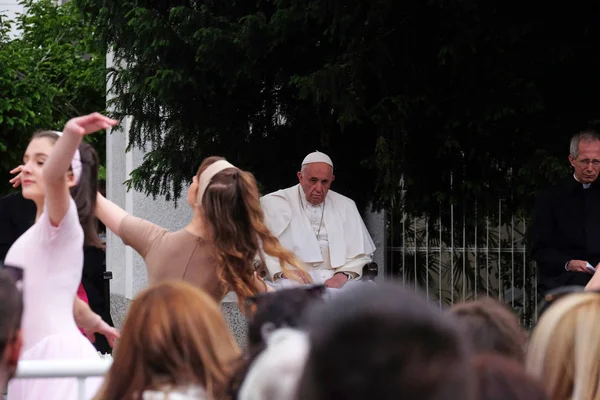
91 322
104 329
16 181
90 123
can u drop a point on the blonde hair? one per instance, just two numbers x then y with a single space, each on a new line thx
565 348
174 335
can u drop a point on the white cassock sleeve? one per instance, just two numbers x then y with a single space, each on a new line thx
355 265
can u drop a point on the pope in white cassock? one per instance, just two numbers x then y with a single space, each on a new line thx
321 227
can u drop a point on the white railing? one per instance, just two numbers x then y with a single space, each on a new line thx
79 369
457 256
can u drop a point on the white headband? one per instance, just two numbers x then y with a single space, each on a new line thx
208 174
76 166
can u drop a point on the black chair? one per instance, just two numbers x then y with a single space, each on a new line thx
107 276
370 272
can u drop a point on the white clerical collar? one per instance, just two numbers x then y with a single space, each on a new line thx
585 185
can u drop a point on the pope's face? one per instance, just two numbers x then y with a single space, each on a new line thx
315 179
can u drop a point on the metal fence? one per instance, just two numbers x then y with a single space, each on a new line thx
78 369
461 254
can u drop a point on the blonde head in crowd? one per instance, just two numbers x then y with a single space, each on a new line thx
174 336
228 200
564 349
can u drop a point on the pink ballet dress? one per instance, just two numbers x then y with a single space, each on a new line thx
52 259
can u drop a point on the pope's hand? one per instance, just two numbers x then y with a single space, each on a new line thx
336 281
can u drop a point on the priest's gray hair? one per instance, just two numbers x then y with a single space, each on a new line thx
588 135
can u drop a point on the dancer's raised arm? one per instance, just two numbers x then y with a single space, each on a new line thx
62 160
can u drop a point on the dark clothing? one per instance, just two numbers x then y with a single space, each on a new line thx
565 226
94 266
17 214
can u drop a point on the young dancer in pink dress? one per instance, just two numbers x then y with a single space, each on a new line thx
51 254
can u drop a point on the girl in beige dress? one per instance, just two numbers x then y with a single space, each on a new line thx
217 250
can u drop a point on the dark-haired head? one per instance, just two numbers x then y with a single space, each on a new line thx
83 190
85 194
11 312
271 311
281 309
233 218
385 342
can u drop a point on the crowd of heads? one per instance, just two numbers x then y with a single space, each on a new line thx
373 342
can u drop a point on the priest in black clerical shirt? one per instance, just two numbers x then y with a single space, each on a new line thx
565 229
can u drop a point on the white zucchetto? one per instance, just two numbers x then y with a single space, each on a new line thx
317 157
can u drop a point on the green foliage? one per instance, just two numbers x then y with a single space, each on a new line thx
51 72
463 100
421 104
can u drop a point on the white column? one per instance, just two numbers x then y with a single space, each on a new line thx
129 270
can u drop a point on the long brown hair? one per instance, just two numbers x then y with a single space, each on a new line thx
85 191
231 208
174 335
